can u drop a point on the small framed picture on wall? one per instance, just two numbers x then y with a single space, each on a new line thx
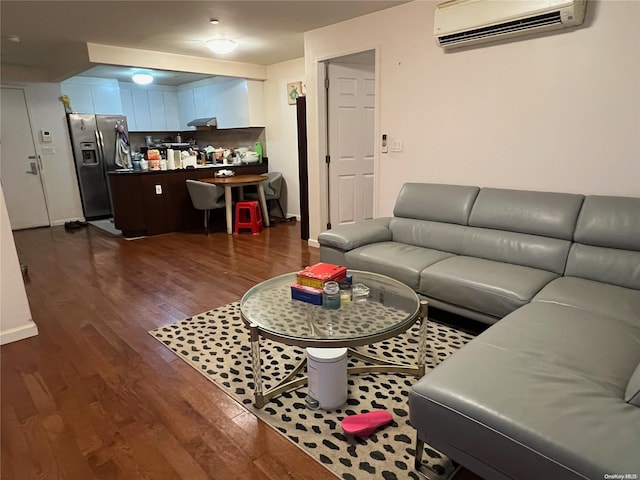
294 90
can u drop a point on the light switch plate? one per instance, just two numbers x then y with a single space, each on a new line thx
158 189
396 145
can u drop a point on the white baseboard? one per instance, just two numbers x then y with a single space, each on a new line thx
313 243
27 330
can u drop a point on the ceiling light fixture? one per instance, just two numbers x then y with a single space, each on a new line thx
221 45
142 78
214 21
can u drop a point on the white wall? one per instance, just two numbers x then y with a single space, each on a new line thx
281 131
15 314
557 112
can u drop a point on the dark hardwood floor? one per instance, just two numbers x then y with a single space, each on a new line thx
95 396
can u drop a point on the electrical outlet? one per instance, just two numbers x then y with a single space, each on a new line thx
158 189
396 146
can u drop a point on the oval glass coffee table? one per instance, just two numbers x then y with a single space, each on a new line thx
390 309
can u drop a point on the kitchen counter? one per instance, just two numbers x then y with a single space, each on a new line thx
242 169
157 201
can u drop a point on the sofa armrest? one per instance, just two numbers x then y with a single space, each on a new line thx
348 237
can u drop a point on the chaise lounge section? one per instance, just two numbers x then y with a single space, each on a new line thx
552 389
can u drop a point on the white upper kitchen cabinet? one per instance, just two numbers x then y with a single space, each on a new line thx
93 95
141 109
234 102
186 108
156 111
171 110
127 107
200 99
151 108
239 103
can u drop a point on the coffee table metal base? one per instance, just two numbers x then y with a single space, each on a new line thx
376 365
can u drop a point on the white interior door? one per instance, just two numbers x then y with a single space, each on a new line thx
19 164
351 118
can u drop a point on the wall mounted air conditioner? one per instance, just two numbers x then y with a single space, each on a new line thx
465 22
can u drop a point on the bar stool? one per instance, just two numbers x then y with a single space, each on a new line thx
248 216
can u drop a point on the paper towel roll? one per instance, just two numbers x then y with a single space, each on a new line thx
171 164
177 158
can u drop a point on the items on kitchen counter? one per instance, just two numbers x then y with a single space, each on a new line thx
188 159
258 149
153 156
171 159
249 157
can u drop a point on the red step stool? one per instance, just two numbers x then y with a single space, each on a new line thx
248 216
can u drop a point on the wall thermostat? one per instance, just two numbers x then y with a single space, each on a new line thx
45 136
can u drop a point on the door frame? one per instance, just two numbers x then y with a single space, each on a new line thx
35 143
323 130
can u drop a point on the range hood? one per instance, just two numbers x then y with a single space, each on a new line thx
203 122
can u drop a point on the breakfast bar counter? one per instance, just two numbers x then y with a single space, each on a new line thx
156 202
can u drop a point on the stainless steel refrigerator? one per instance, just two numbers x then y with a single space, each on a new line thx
93 140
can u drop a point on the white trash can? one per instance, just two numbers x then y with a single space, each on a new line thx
327 373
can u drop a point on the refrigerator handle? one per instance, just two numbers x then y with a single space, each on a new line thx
100 147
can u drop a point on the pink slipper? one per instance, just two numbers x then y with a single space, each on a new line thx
364 424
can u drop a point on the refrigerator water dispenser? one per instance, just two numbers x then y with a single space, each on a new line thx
89 156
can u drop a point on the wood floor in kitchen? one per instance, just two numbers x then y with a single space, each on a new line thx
95 396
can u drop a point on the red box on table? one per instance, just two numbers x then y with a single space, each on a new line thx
320 273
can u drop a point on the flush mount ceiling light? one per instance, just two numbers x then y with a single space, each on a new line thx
214 21
142 78
221 45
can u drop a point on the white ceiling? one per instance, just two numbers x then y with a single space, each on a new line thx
267 32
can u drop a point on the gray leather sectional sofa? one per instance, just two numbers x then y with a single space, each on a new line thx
551 390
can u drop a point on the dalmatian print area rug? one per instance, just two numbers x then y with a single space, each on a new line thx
216 343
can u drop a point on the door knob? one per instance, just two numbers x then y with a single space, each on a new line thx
34 169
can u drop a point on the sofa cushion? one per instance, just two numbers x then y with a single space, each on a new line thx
632 393
431 201
537 401
533 251
540 213
607 241
396 260
612 222
604 299
493 288
446 237
608 265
